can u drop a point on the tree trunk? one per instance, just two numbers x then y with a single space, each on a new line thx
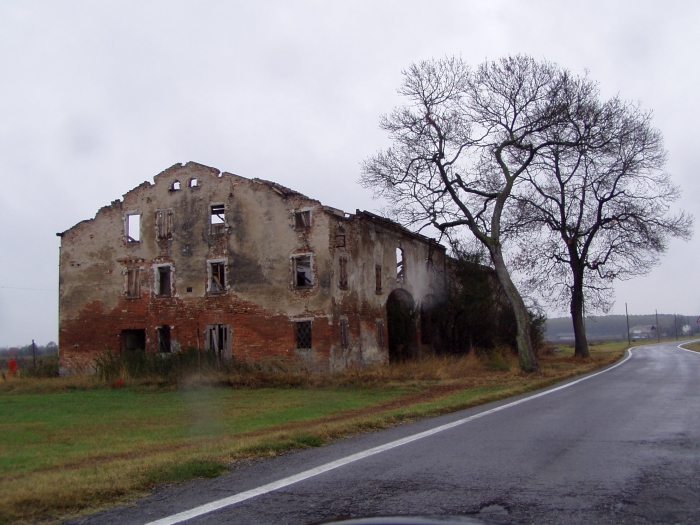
581 342
526 355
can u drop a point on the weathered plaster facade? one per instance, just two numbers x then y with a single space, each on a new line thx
206 259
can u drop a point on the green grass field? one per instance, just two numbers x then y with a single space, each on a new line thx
65 450
44 430
71 445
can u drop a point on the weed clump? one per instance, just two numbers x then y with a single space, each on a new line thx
177 472
137 365
189 369
46 366
496 360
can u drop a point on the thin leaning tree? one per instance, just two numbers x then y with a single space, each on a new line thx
600 210
461 147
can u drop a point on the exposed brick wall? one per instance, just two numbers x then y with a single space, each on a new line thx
257 334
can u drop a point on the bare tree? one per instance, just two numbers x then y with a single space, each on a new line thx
461 147
602 208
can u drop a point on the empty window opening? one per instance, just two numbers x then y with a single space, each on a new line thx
175 186
163 333
217 218
163 284
164 224
343 273
217 277
133 340
133 228
302 220
378 278
217 340
189 289
380 333
400 266
133 285
303 329
344 337
340 241
303 274
193 182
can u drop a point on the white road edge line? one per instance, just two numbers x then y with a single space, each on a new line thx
687 343
291 480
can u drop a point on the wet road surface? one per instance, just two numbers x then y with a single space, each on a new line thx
621 447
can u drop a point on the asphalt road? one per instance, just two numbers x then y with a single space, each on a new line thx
621 447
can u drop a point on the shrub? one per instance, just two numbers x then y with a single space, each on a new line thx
477 314
46 366
165 368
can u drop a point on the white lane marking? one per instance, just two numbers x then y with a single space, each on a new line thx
291 480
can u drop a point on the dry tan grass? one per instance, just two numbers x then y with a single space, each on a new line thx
692 346
37 385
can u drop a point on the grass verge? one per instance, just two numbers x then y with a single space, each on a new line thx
693 346
70 445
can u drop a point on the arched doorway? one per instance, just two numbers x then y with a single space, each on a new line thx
401 325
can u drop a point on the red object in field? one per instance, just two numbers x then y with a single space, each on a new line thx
12 366
118 383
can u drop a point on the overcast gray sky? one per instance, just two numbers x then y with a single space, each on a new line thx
96 97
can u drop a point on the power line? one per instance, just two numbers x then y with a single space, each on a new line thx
35 289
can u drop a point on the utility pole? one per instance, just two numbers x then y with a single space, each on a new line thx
657 326
627 316
34 354
675 325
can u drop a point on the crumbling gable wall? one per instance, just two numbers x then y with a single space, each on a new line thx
256 242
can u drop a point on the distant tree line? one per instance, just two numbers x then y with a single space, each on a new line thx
615 326
29 360
26 350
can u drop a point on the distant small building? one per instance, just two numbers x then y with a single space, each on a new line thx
643 332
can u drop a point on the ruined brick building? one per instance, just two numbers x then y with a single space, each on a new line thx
247 268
